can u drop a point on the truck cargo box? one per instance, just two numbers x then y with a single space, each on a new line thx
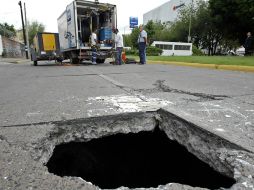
75 27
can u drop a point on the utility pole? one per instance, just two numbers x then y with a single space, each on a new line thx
24 32
189 36
26 24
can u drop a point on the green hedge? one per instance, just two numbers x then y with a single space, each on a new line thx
131 52
196 51
150 51
153 51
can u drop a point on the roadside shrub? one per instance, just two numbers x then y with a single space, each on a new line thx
150 51
196 51
153 51
131 52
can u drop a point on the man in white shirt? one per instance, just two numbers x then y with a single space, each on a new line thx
93 46
142 42
119 46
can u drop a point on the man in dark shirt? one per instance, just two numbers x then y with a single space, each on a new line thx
248 45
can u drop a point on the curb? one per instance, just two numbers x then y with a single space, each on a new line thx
208 66
14 60
19 61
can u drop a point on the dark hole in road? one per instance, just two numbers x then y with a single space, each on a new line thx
145 159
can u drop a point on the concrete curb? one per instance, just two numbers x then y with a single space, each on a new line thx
15 61
209 66
19 61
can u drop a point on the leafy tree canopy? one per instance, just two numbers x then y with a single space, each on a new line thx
234 18
7 30
33 28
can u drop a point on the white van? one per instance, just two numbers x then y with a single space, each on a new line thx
174 48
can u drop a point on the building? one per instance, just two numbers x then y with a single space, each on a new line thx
166 12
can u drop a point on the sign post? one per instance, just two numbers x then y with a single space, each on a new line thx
189 36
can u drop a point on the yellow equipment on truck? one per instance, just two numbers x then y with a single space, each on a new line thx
46 46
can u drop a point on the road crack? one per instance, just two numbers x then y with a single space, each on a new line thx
161 87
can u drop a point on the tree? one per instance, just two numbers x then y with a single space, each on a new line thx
203 31
127 40
7 30
33 28
152 29
134 37
234 18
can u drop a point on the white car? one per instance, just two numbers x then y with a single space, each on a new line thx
240 51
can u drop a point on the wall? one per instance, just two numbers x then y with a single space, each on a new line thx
13 48
165 12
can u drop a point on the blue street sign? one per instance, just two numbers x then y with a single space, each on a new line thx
133 22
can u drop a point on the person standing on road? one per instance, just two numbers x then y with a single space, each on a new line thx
142 42
93 46
248 45
119 46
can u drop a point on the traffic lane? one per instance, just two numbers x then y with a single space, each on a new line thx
28 70
191 107
195 80
219 101
31 99
55 94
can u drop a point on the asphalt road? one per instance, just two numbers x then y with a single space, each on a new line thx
50 93
219 101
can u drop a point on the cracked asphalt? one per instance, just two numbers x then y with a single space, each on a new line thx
221 102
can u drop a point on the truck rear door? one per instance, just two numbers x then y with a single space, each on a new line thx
49 42
71 25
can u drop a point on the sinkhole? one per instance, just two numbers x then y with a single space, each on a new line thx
134 160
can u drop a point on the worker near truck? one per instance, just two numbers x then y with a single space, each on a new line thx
119 46
142 42
94 46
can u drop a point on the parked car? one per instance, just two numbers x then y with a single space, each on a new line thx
240 51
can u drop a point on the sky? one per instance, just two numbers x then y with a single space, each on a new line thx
47 11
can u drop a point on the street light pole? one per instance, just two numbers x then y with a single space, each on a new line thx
189 36
27 39
24 32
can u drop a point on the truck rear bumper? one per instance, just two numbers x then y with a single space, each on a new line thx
87 54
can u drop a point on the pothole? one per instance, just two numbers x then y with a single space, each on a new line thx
142 150
145 159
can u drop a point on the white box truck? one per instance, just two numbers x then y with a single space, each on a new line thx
76 24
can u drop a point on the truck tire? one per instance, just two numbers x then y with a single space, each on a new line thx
74 60
100 60
35 63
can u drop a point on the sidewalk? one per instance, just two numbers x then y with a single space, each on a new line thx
14 60
208 66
